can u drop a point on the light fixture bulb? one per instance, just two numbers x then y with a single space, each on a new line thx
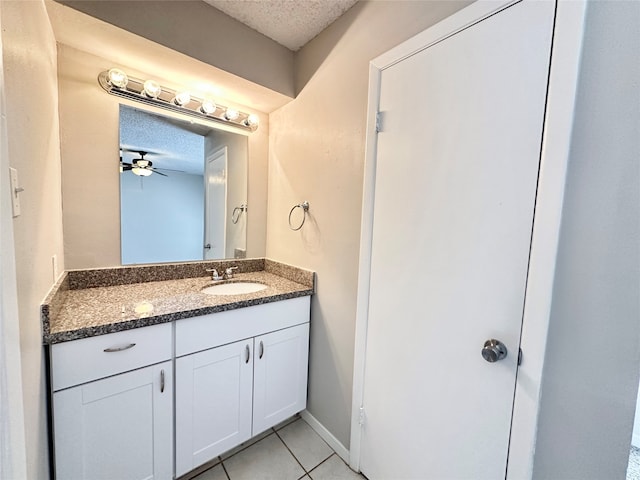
182 98
252 120
208 107
152 89
231 114
142 172
118 78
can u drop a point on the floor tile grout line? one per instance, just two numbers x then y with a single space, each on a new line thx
273 430
333 452
341 460
250 445
225 469
323 461
292 454
242 450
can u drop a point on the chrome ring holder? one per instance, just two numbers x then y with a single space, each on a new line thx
305 208
235 216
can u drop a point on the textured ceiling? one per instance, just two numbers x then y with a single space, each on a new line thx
170 146
291 23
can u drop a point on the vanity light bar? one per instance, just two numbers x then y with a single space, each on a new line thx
116 82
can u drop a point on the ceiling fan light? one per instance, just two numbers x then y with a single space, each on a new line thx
142 172
152 89
182 98
208 107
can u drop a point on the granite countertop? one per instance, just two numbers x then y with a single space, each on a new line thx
86 312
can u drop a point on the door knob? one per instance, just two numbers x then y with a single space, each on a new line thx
494 350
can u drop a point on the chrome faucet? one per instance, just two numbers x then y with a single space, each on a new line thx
227 274
214 274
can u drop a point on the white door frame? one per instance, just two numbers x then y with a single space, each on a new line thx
563 77
218 153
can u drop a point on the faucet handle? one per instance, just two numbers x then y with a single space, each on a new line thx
214 274
229 271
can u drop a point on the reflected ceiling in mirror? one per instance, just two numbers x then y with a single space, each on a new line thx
183 190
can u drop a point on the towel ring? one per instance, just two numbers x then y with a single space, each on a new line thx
238 211
305 208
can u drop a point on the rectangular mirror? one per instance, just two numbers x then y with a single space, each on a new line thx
183 190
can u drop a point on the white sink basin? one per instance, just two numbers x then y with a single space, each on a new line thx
234 288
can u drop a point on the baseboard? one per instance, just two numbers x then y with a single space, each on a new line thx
326 435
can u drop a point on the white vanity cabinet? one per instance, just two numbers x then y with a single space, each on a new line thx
113 405
213 403
238 373
279 376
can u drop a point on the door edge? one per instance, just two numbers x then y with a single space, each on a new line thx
556 142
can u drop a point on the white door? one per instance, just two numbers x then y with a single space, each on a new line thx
120 427
280 376
215 205
456 172
213 403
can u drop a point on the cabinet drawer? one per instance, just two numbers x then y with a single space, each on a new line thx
200 333
81 361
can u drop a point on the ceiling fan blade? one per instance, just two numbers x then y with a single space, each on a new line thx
159 173
168 169
140 151
126 166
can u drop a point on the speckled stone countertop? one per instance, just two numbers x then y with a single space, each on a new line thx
71 313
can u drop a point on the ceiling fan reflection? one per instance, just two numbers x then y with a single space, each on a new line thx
141 166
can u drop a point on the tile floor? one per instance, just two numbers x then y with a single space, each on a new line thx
290 451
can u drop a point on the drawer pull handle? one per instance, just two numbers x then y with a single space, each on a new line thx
162 381
247 354
119 349
261 349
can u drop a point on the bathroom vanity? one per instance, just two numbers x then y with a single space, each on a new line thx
146 372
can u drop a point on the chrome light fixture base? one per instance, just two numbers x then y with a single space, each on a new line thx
134 89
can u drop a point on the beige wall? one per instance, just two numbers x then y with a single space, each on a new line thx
32 123
204 33
316 154
90 182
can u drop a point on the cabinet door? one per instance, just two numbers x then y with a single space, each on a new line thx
213 403
280 376
119 427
